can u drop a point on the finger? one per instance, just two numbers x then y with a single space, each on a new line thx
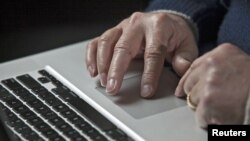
195 93
201 115
90 59
153 63
184 55
192 79
125 50
179 91
105 48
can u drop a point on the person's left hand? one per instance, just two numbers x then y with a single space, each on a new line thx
218 83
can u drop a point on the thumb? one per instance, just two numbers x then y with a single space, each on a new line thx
183 58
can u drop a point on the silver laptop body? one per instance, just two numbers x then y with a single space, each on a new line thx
163 118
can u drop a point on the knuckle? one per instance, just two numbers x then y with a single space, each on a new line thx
136 15
159 18
123 47
212 79
155 52
104 37
226 46
211 61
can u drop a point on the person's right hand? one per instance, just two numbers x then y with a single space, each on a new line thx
156 36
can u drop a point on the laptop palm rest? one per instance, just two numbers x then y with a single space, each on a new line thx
129 96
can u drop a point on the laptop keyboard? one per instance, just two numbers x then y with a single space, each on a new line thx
37 112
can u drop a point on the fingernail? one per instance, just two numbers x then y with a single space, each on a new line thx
91 70
103 79
111 85
146 90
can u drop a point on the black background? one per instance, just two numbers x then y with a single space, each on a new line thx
32 26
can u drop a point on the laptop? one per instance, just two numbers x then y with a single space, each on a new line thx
50 96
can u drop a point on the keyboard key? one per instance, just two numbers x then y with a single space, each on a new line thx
12 84
15 122
3 91
68 113
22 128
32 136
72 133
56 82
28 114
43 80
57 138
10 115
78 137
42 127
51 78
64 127
49 115
35 102
46 95
28 81
64 93
57 121
61 107
116 134
3 108
6 97
21 109
42 109
76 119
21 91
44 72
52 101
93 133
39 89
100 138
14 103
83 126
50 133
35 121
28 98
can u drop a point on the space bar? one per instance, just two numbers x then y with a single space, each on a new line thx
93 115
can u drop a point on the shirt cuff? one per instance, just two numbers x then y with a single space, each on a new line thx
187 18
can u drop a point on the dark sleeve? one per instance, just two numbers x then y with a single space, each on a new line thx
235 28
206 14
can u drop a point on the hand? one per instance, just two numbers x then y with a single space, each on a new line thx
218 83
156 35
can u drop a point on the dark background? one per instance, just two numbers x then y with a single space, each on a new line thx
32 26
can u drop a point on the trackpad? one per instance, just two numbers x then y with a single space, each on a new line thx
129 96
